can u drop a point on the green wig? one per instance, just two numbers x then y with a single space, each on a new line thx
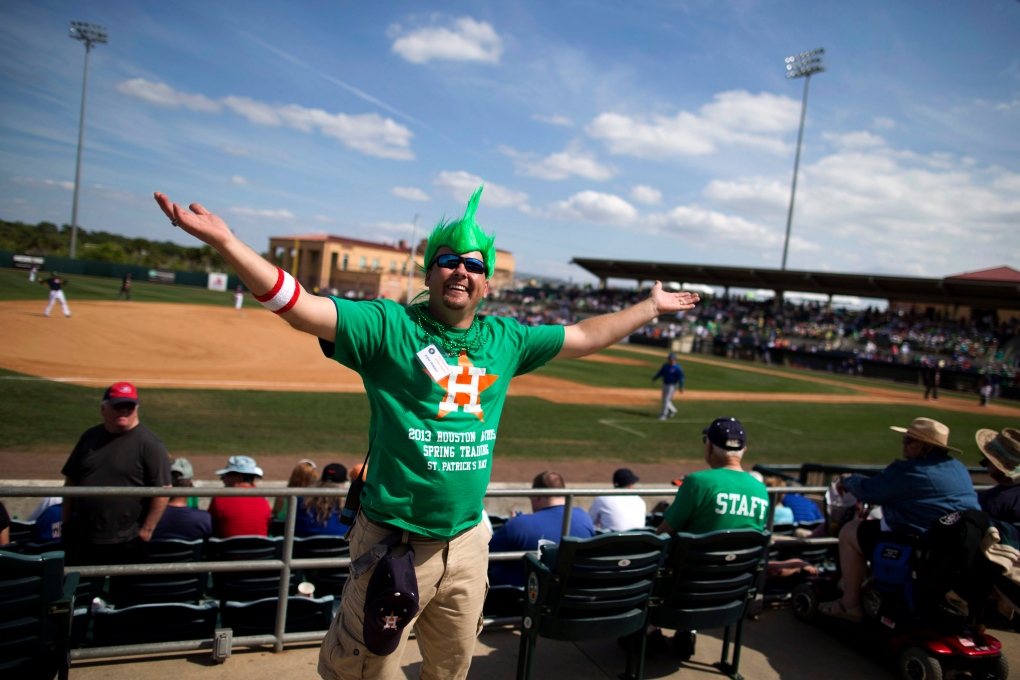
463 236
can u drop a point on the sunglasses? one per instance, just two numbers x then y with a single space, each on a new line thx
126 407
450 261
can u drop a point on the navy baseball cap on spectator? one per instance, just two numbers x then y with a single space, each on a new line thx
391 602
624 477
726 433
244 465
121 393
671 356
334 472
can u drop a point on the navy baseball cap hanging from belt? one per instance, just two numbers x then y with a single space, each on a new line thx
391 602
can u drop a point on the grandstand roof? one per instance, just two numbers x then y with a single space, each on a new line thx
994 274
984 290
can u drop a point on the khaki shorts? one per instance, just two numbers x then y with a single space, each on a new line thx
452 584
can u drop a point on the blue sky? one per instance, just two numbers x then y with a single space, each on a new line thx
633 130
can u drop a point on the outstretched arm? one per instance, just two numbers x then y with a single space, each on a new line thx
599 332
311 314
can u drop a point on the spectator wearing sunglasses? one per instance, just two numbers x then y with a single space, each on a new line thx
436 374
119 452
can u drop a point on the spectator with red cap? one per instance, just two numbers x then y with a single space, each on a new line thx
321 514
240 515
119 452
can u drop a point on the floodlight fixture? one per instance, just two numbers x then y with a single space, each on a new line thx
90 34
803 65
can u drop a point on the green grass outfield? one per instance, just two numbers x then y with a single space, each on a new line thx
697 375
39 415
14 285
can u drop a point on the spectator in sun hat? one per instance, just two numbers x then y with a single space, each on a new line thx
118 452
619 513
914 492
179 520
1002 460
240 515
321 514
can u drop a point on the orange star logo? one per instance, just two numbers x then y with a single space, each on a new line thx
463 387
390 622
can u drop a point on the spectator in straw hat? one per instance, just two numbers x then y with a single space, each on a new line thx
240 515
913 493
1002 460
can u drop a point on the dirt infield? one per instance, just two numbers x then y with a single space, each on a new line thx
204 347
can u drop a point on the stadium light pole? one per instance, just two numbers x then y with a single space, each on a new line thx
90 34
802 65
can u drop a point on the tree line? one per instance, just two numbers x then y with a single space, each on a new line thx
47 238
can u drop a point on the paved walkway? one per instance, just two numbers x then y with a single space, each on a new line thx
775 646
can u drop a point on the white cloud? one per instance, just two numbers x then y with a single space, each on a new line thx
646 194
855 140
710 225
736 118
45 183
263 214
1008 106
410 194
239 181
896 211
395 230
235 150
257 113
592 206
461 185
322 219
561 121
162 94
565 164
465 40
370 134
883 123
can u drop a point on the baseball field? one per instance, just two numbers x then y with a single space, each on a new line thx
216 382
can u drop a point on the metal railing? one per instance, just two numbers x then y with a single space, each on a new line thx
287 563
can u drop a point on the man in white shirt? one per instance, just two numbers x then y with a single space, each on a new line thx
619 513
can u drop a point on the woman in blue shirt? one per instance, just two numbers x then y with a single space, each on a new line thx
317 515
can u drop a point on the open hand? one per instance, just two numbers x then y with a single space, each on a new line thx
672 302
199 222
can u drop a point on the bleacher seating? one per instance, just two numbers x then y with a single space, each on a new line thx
711 579
148 623
126 591
246 586
326 581
589 588
36 604
304 615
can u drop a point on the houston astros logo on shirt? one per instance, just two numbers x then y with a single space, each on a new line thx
463 387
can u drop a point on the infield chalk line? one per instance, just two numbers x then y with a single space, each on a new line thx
615 423
772 425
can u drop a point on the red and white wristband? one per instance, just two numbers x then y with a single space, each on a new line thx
283 295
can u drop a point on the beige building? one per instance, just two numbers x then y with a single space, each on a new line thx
363 269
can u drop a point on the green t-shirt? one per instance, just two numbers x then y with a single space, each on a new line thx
431 442
712 500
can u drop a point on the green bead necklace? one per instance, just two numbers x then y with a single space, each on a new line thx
476 336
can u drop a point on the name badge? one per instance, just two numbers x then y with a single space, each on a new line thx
432 359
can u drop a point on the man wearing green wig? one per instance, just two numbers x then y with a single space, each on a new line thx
436 375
